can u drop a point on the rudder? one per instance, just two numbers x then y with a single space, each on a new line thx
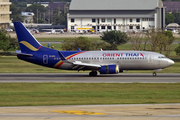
26 41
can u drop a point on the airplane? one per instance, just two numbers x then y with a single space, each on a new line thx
53 31
104 62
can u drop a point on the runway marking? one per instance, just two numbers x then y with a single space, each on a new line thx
78 112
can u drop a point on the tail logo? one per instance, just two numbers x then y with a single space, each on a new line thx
29 46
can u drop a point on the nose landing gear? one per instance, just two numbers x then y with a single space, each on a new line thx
154 72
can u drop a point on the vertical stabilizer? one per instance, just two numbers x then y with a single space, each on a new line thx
26 40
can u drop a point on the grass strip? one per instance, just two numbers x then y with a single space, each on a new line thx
35 94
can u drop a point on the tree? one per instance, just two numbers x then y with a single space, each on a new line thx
16 13
72 44
135 40
153 38
38 11
160 40
59 17
170 40
169 18
177 18
4 41
114 38
84 43
177 50
13 43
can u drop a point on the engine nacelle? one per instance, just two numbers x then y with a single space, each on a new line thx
109 69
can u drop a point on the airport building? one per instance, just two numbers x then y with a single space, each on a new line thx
4 13
121 15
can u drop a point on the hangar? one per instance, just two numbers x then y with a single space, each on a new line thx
121 15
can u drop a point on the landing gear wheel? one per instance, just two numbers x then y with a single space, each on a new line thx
93 73
154 74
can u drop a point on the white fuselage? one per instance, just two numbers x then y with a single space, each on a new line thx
127 60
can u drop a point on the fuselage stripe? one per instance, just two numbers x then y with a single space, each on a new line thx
58 64
70 56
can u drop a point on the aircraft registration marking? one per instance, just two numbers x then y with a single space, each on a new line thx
78 112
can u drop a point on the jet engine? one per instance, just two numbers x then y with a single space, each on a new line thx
109 69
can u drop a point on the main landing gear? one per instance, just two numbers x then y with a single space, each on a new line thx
93 73
154 74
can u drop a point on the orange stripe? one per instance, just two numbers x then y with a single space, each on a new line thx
74 55
60 64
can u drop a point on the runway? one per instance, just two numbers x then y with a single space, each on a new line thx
85 78
93 112
89 112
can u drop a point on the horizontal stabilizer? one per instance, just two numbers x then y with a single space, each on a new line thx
25 54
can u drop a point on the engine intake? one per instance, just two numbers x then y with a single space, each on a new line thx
109 69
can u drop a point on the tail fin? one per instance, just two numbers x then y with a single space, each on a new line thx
27 42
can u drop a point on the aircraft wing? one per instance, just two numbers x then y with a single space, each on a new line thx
80 65
86 64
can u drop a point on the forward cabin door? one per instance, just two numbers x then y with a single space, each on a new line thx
150 59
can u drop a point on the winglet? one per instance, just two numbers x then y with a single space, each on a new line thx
78 49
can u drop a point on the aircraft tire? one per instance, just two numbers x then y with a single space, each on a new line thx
93 73
154 74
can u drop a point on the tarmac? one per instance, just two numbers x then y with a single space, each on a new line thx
95 112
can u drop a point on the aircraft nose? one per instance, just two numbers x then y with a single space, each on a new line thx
170 62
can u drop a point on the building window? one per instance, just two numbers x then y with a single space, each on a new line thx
109 20
98 27
93 20
114 20
72 19
72 27
103 20
137 27
102 27
108 27
130 27
131 20
114 27
145 19
151 19
137 20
